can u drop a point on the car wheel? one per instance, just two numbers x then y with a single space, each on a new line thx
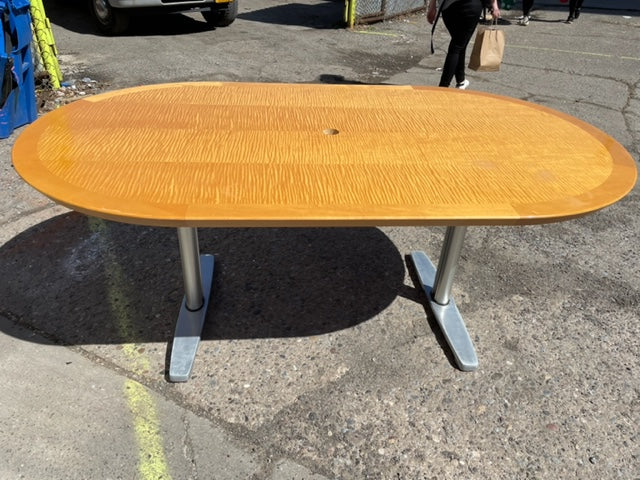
221 14
110 21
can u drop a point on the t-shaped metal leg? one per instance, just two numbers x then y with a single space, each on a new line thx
197 271
437 286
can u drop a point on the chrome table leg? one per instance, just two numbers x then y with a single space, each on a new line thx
197 271
437 286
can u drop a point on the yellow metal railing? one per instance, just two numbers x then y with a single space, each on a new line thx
350 12
45 42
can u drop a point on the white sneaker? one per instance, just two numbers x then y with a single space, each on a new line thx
463 85
524 20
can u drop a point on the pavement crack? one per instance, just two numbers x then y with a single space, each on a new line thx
187 447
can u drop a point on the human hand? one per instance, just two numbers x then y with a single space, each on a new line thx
495 10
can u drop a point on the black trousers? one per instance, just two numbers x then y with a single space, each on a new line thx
461 19
526 6
573 6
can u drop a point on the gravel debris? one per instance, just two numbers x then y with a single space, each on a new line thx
49 98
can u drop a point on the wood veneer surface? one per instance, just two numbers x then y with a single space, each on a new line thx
239 154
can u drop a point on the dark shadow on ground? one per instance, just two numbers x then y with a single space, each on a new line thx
338 80
171 24
562 9
74 15
420 296
78 280
70 14
328 15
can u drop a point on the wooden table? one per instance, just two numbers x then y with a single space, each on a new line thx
194 155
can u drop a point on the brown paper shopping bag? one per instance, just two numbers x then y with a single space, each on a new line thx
488 49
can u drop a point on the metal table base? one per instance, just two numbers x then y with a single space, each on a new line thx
437 286
197 271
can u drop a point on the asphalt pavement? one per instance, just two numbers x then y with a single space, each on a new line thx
318 358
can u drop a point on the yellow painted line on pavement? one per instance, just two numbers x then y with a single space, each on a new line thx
151 460
152 464
573 52
383 34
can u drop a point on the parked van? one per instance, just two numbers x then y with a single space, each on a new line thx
112 16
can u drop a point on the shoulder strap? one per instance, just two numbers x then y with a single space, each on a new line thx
435 22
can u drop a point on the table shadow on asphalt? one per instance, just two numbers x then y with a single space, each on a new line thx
421 297
79 280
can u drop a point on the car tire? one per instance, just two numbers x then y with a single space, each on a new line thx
221 14
109 20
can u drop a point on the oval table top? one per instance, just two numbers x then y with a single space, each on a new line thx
243 154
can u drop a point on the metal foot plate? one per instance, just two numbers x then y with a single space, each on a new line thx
189 328
447 316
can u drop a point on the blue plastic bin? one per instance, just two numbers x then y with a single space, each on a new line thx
17 85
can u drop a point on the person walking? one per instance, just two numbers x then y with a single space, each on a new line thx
527 5
574 10
461 18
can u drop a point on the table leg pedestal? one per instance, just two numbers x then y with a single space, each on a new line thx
437 285
197 271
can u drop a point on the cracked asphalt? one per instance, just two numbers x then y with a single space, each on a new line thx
318 359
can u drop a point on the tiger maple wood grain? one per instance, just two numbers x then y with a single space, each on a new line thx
209 154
